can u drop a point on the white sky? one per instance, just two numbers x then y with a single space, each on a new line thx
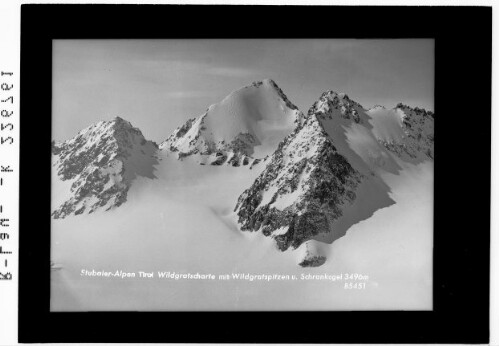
158 84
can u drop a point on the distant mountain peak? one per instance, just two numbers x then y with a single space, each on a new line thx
417 110
331 100
102 160
119 119
273 84
267 81
405 131
244 127
121 124
331 94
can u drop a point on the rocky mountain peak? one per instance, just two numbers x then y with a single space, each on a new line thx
416 110
332 102
101 161
279 91
302 190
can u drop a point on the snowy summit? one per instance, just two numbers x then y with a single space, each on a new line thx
246 125
99 164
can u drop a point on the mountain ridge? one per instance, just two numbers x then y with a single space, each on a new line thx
100 163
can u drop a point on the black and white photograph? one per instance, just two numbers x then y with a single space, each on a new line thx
242 174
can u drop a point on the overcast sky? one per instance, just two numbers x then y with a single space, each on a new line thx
158 84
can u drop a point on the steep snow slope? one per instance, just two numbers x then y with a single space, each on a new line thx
405 131
247 124
96 168
387 124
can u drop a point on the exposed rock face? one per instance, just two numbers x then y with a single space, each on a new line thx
101 161
228 132
302 189
418 140
330 101
312 261
177 134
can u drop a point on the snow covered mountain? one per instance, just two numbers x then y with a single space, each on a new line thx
339 189
318 174
337 150
242 129
405 131
98 166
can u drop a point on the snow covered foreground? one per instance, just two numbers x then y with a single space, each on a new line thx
187 226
